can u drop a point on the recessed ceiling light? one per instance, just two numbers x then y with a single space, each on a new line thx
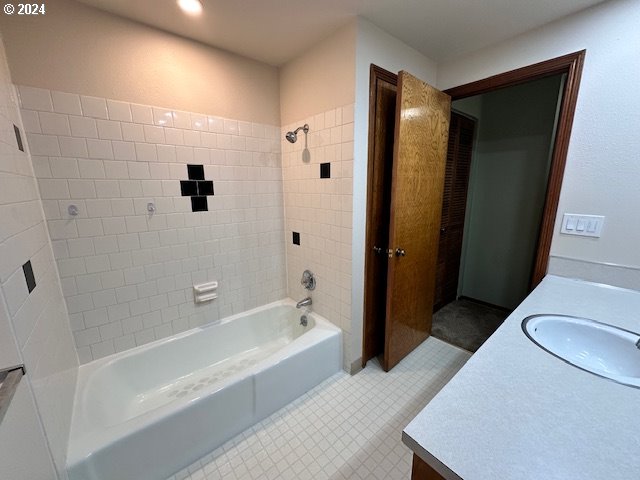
192 7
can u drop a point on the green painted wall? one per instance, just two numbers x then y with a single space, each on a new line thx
507 189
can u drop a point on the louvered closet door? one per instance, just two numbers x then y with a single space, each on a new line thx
454 202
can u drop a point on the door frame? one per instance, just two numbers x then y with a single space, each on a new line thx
571 64
376 74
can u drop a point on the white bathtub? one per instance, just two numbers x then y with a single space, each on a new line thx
153 410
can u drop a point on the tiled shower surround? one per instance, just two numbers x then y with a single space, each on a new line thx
320 211
127 272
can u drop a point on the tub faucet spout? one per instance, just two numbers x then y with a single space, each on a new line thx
305 302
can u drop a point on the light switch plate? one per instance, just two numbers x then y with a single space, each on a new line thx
583 225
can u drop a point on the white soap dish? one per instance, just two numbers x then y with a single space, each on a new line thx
205 292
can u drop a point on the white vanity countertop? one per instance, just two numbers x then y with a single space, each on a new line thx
516 412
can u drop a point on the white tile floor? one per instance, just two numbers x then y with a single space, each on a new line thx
348 427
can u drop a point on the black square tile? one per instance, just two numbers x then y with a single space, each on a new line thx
28 276
196 172
205 187
188 188
199 204
325 170
296 238
18 138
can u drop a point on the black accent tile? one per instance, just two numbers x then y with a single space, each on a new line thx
28 276
296 238
188 187
325 170
197 188
196 172
18 138
199 204
205 187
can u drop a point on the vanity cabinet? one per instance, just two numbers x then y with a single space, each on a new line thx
422 471
533 445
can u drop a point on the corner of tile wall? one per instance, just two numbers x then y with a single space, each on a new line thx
127 274
321 211
30 285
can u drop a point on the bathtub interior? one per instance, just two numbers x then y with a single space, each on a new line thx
144 412
188 364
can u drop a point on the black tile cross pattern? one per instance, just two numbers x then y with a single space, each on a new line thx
197 188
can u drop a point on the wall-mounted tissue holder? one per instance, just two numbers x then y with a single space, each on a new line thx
205 292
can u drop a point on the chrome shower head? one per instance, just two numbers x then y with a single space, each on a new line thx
293 136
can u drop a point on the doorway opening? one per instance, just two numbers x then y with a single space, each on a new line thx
563 72
499 156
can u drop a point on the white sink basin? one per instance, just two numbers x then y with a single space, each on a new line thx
595 347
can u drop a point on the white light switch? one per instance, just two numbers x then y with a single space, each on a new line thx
584 225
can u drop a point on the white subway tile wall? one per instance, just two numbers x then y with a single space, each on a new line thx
127 274
40 320
320 210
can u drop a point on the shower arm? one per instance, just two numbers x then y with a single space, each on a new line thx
304 128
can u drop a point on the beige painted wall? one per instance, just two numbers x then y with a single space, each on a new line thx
76 48
321 79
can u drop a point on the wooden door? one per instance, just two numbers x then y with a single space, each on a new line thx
454 204
382 111
420 149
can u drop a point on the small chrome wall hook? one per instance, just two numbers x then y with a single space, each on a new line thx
73 210
308 280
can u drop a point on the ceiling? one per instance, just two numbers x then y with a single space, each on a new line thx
275 31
